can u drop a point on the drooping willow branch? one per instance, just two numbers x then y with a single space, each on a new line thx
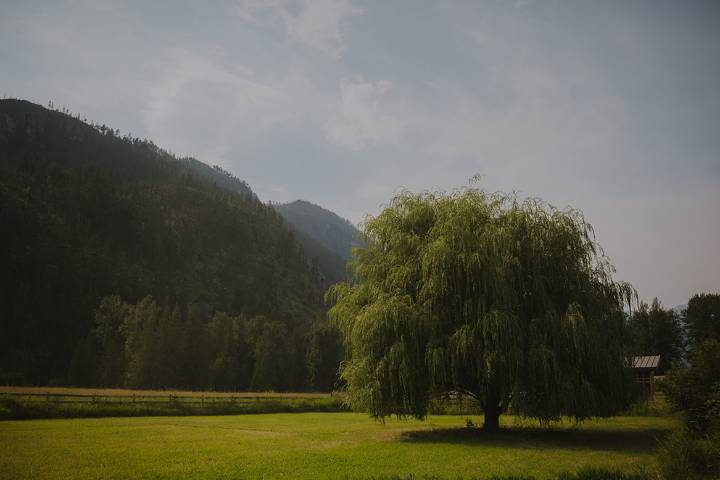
498 298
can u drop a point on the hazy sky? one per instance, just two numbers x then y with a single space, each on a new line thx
611 107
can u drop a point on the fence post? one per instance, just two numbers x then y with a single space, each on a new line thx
202 401
133 398
47 397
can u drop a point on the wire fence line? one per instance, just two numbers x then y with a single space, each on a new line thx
155 399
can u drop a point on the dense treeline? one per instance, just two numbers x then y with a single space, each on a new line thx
653 330
672 333
702 318
693 451
87 214
147 345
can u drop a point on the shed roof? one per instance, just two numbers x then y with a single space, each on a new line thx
648 361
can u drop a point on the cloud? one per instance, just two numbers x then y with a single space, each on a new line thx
611 110
198 105
318 24
363 116
314 23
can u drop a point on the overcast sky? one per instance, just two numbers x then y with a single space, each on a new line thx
610 107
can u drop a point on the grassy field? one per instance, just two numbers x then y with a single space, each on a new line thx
315 445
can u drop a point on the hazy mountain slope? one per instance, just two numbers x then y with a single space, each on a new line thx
327 228
85 214
330 266
217 176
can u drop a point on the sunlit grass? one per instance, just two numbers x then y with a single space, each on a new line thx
316 445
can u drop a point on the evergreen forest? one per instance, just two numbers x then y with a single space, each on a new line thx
124 265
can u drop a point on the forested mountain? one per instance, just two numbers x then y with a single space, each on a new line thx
324 260
204 280
333 234
217 176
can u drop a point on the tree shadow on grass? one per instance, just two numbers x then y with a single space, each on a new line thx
631 441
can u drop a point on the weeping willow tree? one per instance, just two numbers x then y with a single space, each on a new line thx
507 301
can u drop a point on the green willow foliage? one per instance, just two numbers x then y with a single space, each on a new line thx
507 301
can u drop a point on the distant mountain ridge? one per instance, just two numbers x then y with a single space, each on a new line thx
328 228
218 176
322 228
680 309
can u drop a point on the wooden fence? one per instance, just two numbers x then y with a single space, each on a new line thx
155 399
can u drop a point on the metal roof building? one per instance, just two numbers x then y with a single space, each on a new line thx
649 362
643 369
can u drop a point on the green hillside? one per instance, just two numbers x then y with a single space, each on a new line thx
86 214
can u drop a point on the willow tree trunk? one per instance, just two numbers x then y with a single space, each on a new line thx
492 409
492 418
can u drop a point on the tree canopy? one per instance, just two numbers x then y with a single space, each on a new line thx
703 317
508 301
652 330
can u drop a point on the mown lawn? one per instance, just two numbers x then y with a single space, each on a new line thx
315 445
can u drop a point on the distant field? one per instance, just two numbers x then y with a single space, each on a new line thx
315 445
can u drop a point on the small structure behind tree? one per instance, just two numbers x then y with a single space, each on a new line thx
643 370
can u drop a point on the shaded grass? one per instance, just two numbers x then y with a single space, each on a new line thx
546 438
584 474
317 445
